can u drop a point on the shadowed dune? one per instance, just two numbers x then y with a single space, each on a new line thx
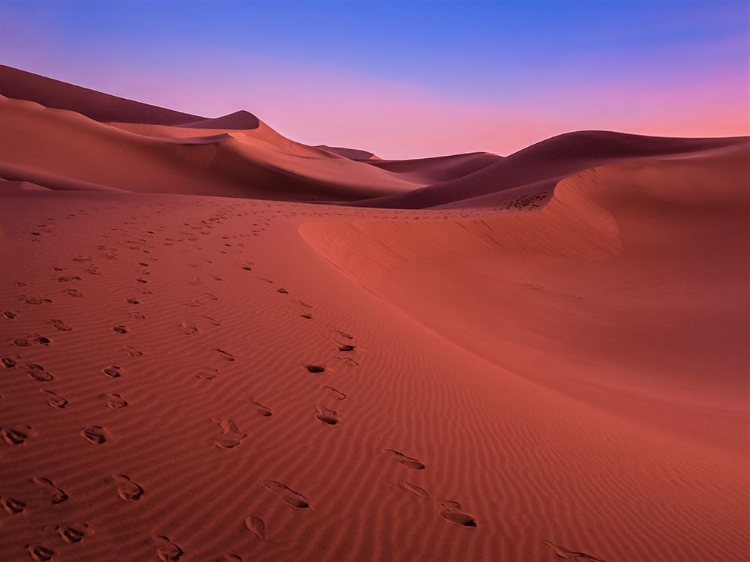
548 161
439 169
236 120
351 153
22 85
566 295
77 149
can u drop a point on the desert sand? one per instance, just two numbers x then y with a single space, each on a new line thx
221 344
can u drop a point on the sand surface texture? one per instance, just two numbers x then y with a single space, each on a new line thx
220 344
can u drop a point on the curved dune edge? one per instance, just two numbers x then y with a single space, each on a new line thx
19 84
573 259
547 161
74 148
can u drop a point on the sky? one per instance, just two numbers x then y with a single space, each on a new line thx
406 79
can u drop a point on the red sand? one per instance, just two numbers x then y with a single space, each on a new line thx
551 363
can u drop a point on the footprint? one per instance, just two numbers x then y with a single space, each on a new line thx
282 291
133 352
207 373
60 325
126 488
12 506
256 526
449 510
166 550
213 321
37 300
121 329
315 369
17 435
134 301
31 340
566 554
37 372
95 434
188 329
333 392
54 399
291 497
344 335
9 315
347 347
40 553
414 489
73 534
306 316
74 292
230 435
112 371
259 408
58 495
408 462
10 361
225 354
326 415
114 401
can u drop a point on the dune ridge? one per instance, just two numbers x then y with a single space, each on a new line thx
19 84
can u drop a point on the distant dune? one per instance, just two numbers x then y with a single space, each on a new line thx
238 120
217 343
351 153
51 93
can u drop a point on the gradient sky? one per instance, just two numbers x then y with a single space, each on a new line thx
407 79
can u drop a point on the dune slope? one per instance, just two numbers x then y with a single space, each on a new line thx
19 84
612 292
542 166
74 148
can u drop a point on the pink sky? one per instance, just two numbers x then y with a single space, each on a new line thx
395 115
325 105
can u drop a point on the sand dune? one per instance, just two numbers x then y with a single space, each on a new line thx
75 148
625 244
548 161
545 359
236 120
18 84
351 153
439 169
